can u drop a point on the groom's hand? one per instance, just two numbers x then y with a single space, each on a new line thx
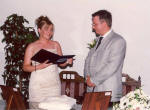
89 83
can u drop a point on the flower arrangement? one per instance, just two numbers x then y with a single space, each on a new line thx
135 100
92 44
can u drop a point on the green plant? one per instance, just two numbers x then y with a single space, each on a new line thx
16 37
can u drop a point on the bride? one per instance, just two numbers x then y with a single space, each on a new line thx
44 80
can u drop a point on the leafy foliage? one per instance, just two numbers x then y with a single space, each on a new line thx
16 37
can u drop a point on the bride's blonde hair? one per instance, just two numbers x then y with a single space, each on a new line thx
40 21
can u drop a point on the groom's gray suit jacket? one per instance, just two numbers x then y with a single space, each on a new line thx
104 65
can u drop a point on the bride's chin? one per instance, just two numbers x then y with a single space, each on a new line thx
47 37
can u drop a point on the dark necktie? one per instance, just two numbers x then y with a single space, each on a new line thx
99 42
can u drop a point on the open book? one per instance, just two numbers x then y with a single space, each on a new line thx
44 55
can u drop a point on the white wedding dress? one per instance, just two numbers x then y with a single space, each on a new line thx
44 83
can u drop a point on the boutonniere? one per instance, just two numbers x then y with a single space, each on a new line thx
92 44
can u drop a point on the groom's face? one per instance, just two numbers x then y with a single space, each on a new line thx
97 25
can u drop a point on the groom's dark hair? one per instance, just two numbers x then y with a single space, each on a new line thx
104 15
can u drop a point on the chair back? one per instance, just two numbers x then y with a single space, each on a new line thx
13 98
96 100
129 84
18 101
6 92
73 85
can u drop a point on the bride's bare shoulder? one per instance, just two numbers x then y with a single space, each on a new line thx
56 43
33 44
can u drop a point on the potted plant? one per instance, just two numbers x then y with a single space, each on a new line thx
16 37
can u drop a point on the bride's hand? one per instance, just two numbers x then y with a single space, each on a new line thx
45 64
70 61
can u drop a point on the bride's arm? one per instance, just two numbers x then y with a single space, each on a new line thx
27 61
59 51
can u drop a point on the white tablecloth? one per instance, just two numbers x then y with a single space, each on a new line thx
58 103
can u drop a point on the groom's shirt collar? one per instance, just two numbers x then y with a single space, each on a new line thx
106 34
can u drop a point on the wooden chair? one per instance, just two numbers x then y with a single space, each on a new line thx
73 85
130 84
17 101
7 95
96 100
13 98
6 92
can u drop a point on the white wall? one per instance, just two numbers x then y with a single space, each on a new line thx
72 19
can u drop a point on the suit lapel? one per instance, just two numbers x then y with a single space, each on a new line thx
102 46
104 42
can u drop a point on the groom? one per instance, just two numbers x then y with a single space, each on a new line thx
103 65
